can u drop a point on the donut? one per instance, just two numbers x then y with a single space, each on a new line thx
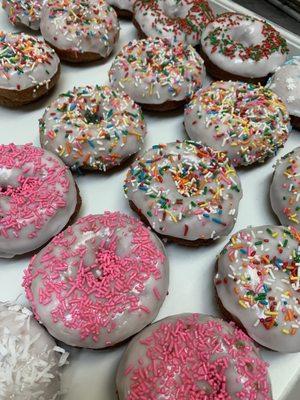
257 282
192 356
176 20
99 282
38 197
94 128
30 361
80 31
285 189
286 84
243 48
248 122
29 68
123 8
24 12
186 192
157 75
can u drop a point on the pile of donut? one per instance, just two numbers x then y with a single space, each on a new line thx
96 281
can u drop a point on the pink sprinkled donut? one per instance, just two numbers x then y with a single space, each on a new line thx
38 196
192 356
99 282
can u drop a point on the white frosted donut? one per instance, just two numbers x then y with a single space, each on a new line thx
243 46
30 361
192 356
285 189
152 71
257 282
187 192
24 12
93 127
249 122
286 84
87 30
175 20
28 67
99 282
38 197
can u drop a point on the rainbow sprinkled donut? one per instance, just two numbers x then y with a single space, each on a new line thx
248 122
185 191
38 197
29 68
99 282
175 20
285 189
80 31
257 282
24 12
95 128
192 356
239 47
156 74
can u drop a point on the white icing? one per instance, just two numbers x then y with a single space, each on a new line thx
138 71
24 12
117 133
247 121
247 31
29 357
89 26
122 4
38 63
168 19
286 84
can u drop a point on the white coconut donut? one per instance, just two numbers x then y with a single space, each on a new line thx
285 189
257 282
99 282
175 20
38 197
248 122
157 74
80 31
93 128
24 12
186 191
286 84
192 356
30 361
240 47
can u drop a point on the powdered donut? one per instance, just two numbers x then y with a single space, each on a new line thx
29 68
29 357
286 84
99 282
285 189
156 74
186 192
93 128
123 7
192 356
24 12
258 284
248 122
175 20
239 47
38 197
80 31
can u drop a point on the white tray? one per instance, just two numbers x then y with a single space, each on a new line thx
91 374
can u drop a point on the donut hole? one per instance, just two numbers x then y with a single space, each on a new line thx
247 35
174 9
